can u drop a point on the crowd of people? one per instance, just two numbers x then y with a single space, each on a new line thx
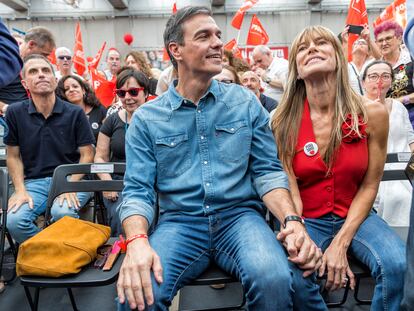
224 139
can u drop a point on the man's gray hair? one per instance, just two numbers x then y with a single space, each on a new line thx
174 30
62 50
263 49
35 56
40 35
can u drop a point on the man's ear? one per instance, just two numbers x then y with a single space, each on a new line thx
31 44
174 49
24 83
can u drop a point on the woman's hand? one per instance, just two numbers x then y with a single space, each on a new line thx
335 263
110 195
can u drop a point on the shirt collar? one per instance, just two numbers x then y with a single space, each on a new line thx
176 100
57 108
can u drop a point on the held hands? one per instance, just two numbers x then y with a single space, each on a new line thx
71 198
335 263
134 282
18 199
300 247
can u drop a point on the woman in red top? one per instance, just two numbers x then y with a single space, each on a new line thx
333 146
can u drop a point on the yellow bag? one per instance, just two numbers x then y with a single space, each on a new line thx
62 248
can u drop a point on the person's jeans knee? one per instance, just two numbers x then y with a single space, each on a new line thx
58 211
21 222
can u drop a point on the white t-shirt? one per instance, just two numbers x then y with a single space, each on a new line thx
393 200
278 69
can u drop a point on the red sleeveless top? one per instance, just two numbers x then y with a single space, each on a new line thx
322 192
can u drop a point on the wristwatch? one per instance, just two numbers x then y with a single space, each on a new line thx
293 218
267 80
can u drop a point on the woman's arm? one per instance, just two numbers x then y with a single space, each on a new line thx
335 260
102 153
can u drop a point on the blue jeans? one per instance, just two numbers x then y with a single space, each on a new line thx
408 300
21 223
377 246
242 244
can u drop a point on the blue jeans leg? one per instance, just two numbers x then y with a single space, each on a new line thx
246 248
377 246
408 300
182 243
58 211
382 250
21 223
113 216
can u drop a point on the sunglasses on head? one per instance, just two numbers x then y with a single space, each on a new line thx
134 91
65 57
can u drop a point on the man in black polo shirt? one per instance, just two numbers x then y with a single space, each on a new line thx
251 81
44 132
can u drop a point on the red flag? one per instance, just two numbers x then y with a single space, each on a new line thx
232 46
52 57
237 20
257 34
357 15
95 61
174 8
104 89
78 54
396 11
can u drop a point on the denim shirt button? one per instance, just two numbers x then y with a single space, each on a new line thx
202 137
207 206
205 162
172 144
208 184
199 111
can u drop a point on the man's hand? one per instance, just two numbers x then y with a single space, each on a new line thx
110 195
335 262
71 198
260 72
134 282
300 247
18 199
365 34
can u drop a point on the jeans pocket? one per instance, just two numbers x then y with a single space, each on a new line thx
173 155
233 140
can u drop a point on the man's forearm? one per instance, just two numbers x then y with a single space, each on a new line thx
15 168
280 203
276 83
135 224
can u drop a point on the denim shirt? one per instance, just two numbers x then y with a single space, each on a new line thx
200 158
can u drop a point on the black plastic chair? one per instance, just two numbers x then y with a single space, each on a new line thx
89 276
4 191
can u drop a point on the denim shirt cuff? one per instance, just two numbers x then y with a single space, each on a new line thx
134 207
268 182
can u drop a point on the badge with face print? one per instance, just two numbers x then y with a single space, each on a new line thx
310 149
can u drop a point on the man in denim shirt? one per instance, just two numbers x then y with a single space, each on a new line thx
206 149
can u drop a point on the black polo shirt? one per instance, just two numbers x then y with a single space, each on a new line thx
47 143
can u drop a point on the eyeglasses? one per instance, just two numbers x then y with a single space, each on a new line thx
65 57
386 39
134 91
374 77
227 81
360 42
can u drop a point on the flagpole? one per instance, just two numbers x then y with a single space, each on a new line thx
238 37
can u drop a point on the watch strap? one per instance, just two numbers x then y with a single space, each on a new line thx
293 218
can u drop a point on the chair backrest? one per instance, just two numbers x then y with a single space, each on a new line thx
4 188
397 174
61 183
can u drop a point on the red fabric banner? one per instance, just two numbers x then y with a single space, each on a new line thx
104 89
357 15
396 11
237 20
95 61
78 54
174 8
257 34
52 57
232 46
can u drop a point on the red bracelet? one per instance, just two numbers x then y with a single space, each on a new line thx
124 244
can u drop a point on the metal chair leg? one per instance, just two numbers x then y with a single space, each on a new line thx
72 299
33 306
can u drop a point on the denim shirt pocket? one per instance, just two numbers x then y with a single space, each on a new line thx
233 140
173 155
